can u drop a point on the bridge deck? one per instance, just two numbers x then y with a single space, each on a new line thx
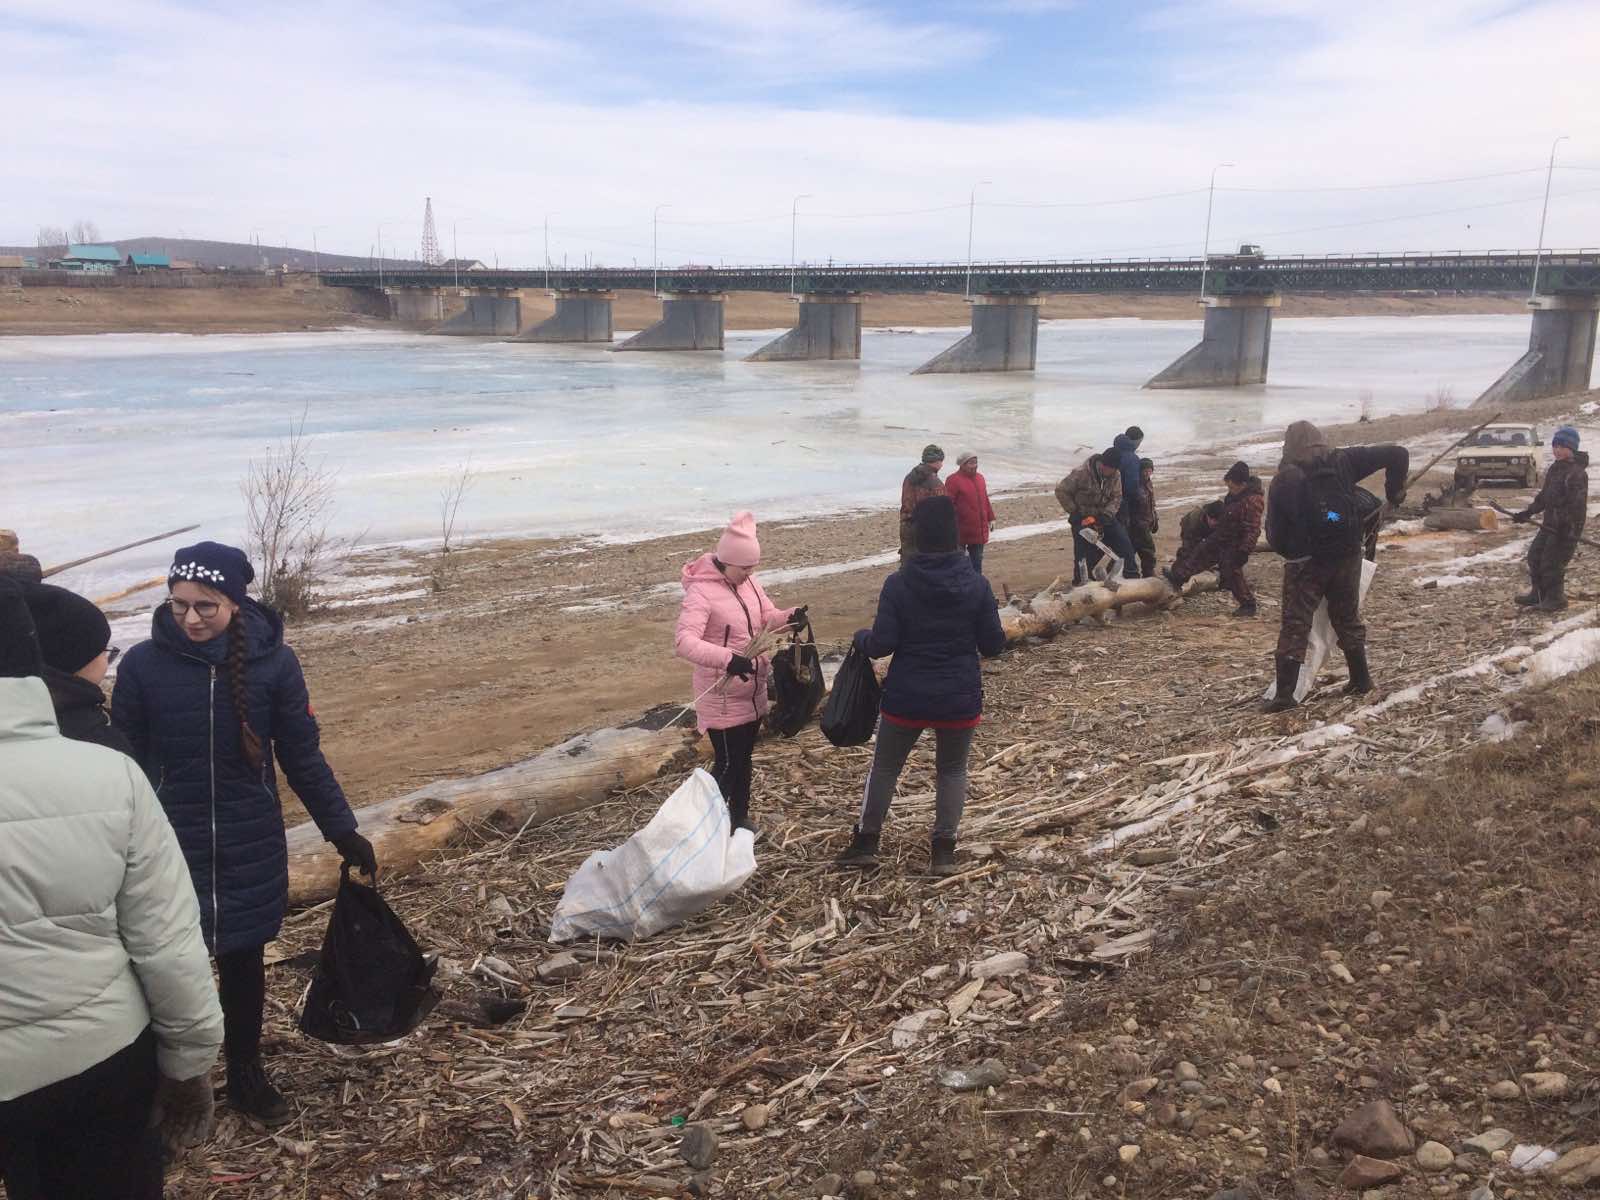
1571 272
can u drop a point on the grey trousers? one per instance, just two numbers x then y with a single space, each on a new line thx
889 756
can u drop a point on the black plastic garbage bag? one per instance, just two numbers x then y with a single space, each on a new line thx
796 683
372 982
851 713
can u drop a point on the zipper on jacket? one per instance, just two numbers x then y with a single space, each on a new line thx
216 915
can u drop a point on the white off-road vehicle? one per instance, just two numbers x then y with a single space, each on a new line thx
1504 453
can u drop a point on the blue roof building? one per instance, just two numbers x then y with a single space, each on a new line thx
149 260
90 258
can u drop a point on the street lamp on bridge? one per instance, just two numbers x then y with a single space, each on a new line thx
1205 251
794 217
972 204
655 256
1533 292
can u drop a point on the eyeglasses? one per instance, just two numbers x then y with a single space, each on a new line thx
205 608
112 654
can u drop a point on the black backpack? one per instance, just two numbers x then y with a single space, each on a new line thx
851 713
372 982
796 683
1332 514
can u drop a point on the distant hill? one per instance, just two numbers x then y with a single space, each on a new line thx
234 255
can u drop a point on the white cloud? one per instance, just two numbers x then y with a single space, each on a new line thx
279 120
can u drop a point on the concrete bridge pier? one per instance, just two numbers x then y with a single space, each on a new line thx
1234 345
579 317
1004 337
489 312
688 322
416 306
827 327
1560 355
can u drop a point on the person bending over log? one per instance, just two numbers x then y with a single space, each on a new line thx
210 703
1197 525
1091 497
1564 501
1230 543
1314 520
724 611
936 617
109 1024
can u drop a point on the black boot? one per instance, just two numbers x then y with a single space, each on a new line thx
1528 599
861 852
1360 677
942 857
1553 599
250 1092
1288 677
1246 609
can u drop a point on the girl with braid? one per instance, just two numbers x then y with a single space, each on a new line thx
212 704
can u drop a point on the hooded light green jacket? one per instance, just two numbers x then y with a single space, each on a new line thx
99 927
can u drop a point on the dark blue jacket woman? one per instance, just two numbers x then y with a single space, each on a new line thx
174 702
212 704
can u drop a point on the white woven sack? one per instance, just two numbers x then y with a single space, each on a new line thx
685 860
1322 642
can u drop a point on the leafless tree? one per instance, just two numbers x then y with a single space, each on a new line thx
450 498
84 230
288 496
50 237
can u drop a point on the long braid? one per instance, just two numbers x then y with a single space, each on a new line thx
249 740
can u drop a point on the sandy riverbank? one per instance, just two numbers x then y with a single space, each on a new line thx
301 305
537 640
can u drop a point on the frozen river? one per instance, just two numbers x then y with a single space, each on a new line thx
108 438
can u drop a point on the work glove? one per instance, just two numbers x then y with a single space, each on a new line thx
182 1113
357 852
1522 518
797 619
740 667
1087 522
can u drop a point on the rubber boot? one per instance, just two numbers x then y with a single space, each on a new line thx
1288 676
1552 599
1528 599
250 1092
942 857
1245 610
861 852
1360 677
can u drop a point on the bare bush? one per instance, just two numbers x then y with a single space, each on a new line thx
1366 405
450 498
288 498
50 238
1442 399
84 230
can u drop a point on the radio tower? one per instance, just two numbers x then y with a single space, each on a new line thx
430 240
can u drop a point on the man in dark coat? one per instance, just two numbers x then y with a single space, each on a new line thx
1564 502
1128 442
920 482
936 616
1313 521
1143 520
1229 545
75 642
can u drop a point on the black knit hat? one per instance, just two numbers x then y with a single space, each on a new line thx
1238 473
1111 457
72 630
19 644
222 568
935 523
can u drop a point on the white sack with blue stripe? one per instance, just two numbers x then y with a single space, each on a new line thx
686 859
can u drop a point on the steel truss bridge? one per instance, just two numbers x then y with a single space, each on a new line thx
1563 272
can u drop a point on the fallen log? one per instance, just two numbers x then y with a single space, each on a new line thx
1481 520
564 779
1053 609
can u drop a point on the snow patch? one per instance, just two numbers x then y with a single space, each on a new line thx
1513 549
1570 653
1497 727
1446 581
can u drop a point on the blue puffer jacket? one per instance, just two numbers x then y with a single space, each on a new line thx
1130 473
174 702
935 616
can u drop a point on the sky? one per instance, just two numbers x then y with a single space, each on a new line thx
687 130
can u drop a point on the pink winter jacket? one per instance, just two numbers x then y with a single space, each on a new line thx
718 621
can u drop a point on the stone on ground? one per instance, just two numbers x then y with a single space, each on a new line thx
1375 1130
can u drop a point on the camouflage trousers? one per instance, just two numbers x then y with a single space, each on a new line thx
1144 547
1229 564
1547 561
1305 585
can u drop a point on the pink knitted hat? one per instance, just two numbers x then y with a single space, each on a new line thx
737 547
